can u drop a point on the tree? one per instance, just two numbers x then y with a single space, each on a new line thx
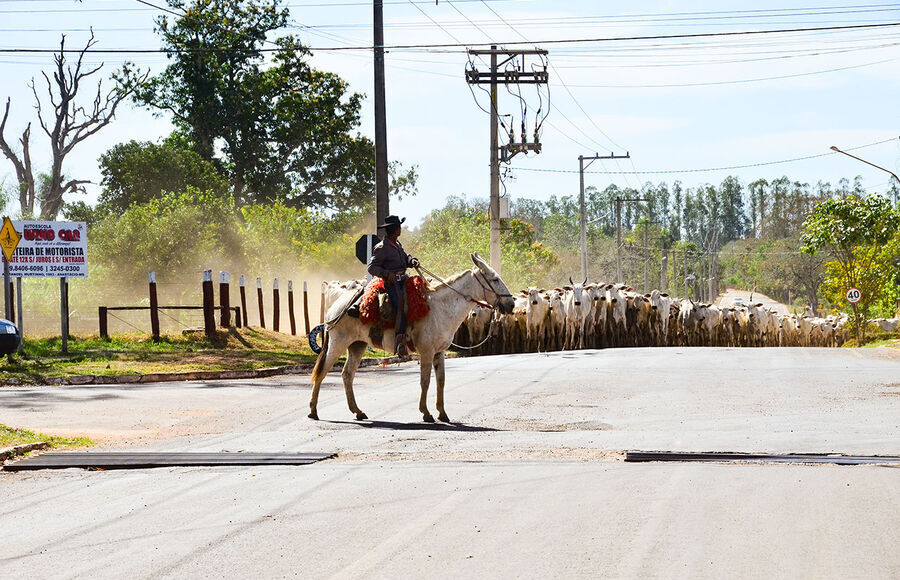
66 124
138 171
857 232
283 129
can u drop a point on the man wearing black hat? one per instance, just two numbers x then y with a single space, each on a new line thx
389 262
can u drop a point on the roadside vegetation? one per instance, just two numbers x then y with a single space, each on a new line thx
238 349
10 436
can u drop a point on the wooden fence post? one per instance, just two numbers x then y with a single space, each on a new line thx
225 298
291 307
244 301
209 317
305 309
104 328
322 306
276 313
262 315
154 307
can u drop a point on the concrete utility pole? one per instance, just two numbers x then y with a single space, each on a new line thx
507 151
619 201
382 202
581 206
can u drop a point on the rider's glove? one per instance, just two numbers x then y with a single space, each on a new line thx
414 262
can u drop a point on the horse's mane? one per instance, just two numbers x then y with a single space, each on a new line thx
432 287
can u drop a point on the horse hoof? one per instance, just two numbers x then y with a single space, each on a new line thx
313 415
361 416
443 418
428 419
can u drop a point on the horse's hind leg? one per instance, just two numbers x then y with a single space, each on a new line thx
354 355
333 351
439 380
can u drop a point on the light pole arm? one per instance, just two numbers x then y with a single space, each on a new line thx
833 148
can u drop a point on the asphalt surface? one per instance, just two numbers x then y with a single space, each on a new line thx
527 483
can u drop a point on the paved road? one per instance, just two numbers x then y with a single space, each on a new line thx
527 484
727 299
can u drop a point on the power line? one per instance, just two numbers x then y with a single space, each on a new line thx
738 81
707 169
466 45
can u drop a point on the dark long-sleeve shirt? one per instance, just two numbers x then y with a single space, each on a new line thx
388 258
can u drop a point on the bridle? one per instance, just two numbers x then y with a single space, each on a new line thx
485 285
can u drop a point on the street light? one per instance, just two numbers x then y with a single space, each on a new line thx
834 148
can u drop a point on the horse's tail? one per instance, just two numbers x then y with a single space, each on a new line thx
319 371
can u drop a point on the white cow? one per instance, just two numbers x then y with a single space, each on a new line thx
557 320
537 315
578 309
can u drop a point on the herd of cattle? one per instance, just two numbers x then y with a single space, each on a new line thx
600 315
614 315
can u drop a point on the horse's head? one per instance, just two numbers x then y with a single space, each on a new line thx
493 287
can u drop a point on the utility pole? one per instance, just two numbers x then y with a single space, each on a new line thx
505 152
619 201
382 202
581 205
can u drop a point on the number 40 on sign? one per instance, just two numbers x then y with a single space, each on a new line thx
854 295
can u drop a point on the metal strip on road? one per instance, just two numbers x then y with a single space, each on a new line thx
644 456
143 460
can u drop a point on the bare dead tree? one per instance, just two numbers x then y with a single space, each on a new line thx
67 124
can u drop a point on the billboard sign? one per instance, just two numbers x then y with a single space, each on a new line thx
50 250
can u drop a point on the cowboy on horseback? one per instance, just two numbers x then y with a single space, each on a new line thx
389 262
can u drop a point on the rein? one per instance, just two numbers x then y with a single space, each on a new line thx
422 271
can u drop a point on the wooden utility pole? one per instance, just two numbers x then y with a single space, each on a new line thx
581 205
382 202
507 151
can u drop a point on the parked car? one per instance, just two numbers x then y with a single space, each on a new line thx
737 301
9 337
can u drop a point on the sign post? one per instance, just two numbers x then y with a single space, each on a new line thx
853 297
9 241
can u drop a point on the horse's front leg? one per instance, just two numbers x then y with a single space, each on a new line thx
439 380
425 380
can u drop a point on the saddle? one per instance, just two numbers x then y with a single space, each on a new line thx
376 310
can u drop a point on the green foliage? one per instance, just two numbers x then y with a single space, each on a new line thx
10 436
138 171
177 232
278 237
863 236
282 129
449 234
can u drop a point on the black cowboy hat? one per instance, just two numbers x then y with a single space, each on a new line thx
391 221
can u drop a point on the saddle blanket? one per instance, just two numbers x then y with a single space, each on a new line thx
416 302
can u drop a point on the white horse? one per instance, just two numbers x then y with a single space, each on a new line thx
450 303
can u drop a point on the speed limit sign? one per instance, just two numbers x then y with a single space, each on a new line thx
854 295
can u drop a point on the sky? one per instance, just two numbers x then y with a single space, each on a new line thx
680 107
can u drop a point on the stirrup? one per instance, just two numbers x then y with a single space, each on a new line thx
400 349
